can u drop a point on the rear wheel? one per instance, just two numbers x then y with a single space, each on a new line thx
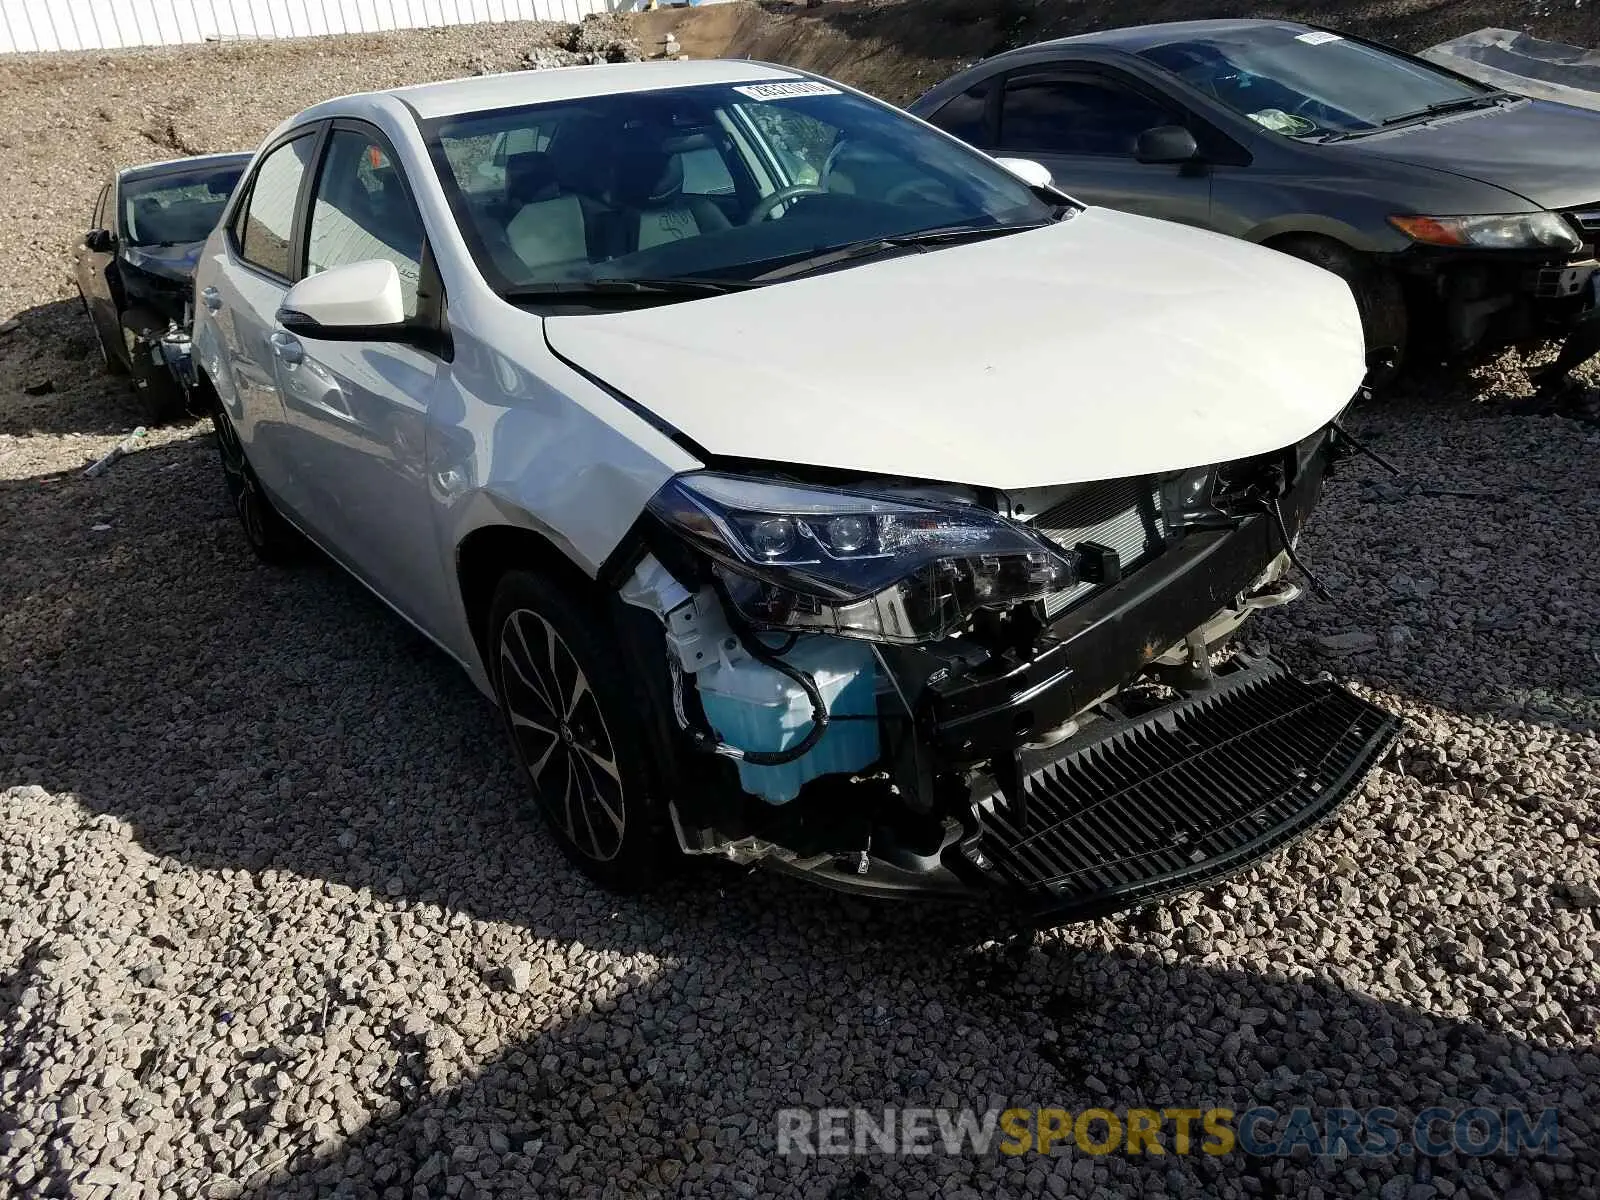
1378 295
272 538
574 716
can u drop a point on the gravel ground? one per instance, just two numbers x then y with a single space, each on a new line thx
272 922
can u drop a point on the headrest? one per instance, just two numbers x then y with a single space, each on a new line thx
529 176
648 174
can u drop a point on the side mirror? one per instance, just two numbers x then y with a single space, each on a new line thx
1166 144
1031 173
356 302
99 241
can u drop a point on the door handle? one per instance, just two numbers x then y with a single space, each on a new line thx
211 298
287 348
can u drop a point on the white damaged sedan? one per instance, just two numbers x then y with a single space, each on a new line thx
805 486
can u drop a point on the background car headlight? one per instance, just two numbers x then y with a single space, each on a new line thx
794 556
1517 231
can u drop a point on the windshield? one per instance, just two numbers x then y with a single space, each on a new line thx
715 182
1306 82
173 209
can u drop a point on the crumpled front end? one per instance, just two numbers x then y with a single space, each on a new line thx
1028 697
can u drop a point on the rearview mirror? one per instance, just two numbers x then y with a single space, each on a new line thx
1166 144
1031 173
357 302
99 241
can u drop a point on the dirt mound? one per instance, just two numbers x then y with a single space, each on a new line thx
899 48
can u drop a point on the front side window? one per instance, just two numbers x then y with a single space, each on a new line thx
1048 115
170 210
361 211
268 220
966 116
1304 82
720 181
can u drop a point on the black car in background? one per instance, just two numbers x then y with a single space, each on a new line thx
135 265
1460 215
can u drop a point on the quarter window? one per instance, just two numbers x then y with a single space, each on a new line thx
1075 116
264 237
363 212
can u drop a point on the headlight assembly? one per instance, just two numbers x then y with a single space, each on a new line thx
794 556
1516 231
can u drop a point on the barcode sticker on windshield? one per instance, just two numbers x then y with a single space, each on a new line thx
1318 37
786 91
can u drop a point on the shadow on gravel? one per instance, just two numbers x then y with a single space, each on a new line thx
52 379
243 718
631 1102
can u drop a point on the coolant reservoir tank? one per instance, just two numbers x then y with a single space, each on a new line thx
753 707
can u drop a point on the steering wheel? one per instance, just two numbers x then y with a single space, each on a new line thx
764 207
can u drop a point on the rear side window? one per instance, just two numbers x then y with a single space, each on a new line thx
268 218
1075 116
362 212
967 115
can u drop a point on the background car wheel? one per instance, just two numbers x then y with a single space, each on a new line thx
574 714
272 538
108 356
1378 295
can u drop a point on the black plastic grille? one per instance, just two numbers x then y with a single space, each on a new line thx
1192 792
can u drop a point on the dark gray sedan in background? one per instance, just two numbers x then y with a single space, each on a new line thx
1461 216
135 264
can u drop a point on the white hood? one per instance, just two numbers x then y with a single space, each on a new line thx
1108 345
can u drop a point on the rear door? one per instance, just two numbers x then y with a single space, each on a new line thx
357 410
244 299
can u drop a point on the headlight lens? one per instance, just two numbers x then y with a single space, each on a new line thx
793 556
1518 231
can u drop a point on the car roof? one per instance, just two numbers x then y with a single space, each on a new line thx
485 93
175 166
1141 37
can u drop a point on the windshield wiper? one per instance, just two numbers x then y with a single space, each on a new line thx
944 235
1450 106
1422 114
682 288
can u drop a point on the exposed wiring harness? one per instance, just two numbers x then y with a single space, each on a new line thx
707 742
1362 448
1275 510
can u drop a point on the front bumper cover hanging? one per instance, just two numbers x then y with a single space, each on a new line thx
1180 797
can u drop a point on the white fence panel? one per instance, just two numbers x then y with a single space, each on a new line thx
30 25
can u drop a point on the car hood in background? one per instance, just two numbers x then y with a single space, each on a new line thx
1108 345
1546 153
169 262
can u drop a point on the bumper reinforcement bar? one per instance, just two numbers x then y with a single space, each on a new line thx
1184 795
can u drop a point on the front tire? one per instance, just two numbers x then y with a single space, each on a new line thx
574 714
1379 297
108 357
272 538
